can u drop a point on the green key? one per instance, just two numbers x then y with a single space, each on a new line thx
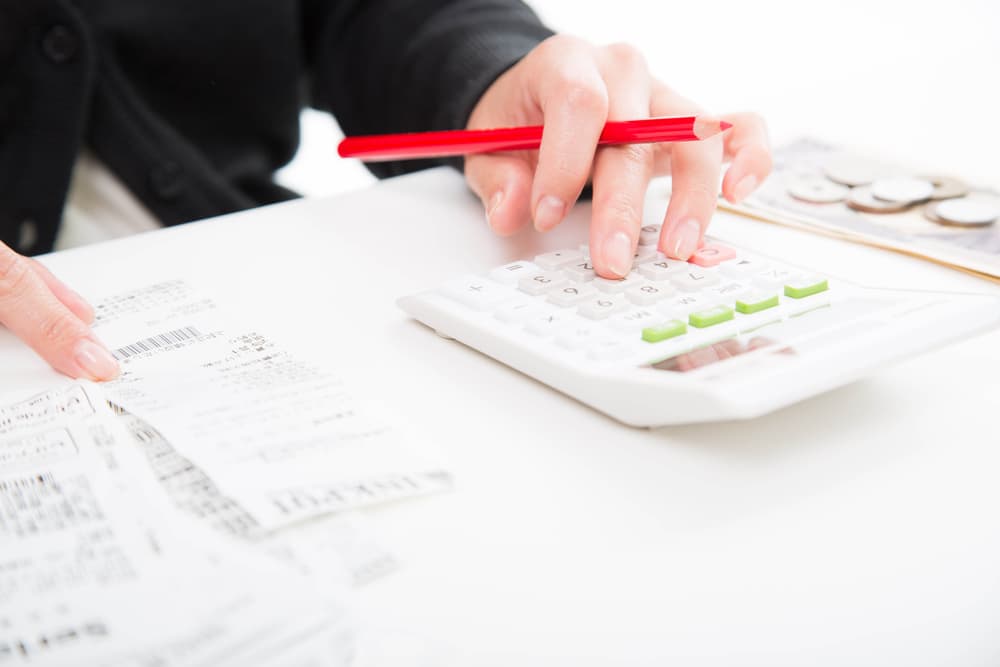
670 329
710 317
799 289
754 303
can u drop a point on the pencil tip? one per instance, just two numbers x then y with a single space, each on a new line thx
723 125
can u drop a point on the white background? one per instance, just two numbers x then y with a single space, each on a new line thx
912 81
856 528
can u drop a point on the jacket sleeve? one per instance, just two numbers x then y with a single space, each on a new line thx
411 65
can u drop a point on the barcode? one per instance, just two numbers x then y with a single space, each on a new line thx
168 339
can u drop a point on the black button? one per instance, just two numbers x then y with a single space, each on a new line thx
167 180
60 44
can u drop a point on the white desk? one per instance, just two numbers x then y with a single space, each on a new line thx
856 528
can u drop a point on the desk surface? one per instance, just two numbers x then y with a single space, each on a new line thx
855 528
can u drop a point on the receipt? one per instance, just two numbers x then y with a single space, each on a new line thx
98 568
310 547
282 437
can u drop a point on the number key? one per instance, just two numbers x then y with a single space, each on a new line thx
571 294
601 307
662 268
541 283
646 293
551 261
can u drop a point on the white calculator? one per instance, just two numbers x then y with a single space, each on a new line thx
729 334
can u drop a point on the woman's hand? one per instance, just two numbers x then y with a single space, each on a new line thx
50 317
573 88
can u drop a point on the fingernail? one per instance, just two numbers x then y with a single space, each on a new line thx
549 213
492 205
684 239
744 188
95 361
618 253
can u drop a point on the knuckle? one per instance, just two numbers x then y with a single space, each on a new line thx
626 55
556 45
701 193
14 272
766 162
622 207
640 155
60 329
578 93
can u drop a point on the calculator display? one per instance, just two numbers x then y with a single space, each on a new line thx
713 354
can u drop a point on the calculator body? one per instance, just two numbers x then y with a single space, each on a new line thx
733 360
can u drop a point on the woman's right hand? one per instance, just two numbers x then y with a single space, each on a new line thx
50 317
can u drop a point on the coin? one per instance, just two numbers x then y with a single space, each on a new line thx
946 187
964 212
851 170
862 199
817 190
902 190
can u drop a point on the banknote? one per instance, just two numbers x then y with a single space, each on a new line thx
823 188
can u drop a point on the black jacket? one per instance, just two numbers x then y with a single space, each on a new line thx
193 104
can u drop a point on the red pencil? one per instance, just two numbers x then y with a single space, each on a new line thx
379 147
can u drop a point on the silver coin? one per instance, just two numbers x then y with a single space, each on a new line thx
862 199
946 187
902 190
817 190
964 212
851 170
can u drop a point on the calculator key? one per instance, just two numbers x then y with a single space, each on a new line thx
634 321
662 268
649 235
711 316
756 301
550 322
801 287
730 291
614 285
795 307
764 319
645 293
569 295
580 336
601 307
582 271
643 254
610 349
551 261
711 254
476 292
686 304
695 279
775 278
520 310
663 331
743 267
541 283
511 274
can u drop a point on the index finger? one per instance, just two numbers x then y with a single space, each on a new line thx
35 315
574 103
